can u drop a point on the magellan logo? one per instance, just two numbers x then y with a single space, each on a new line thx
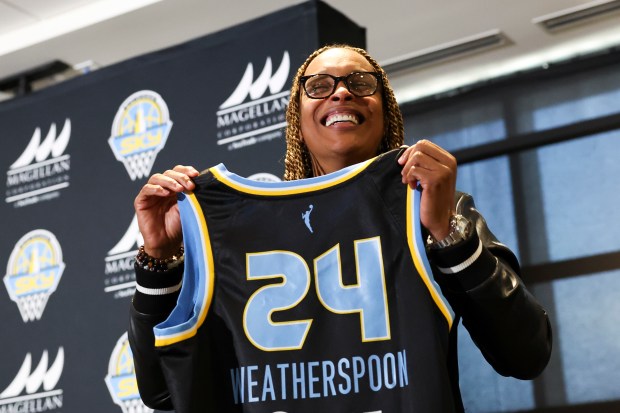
261 119
41 170
33 272
121 379
120 276
139 131
39 386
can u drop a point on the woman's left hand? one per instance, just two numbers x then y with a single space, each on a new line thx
434 169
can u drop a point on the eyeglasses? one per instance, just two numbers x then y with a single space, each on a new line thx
322 86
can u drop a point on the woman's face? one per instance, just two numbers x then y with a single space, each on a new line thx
341 129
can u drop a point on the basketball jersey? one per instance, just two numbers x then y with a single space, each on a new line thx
312 295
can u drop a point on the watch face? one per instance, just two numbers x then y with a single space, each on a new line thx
459 232
460 228
462 225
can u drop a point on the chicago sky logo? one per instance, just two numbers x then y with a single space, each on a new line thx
120 276
121 379
39 385
33 272
261 119
41 170
139 131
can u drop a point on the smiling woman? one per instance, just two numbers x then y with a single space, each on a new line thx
343 128
339 290
329 131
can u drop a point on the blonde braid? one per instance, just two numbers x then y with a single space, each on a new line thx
297 164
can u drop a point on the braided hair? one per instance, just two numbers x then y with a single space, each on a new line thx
297 162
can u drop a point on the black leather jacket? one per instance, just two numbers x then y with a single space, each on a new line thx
508 325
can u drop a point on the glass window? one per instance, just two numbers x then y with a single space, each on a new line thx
489 182
461 127
554 203
485 391
577 199
568 100
587 309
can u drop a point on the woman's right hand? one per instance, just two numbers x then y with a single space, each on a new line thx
157 211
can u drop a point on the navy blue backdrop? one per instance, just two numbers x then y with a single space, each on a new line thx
76 154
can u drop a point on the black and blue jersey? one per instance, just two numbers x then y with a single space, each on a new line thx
307 296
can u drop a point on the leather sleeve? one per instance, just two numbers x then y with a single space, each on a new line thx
151 383
506 322
145 313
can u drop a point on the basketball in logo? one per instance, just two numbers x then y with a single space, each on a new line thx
33 272
139 131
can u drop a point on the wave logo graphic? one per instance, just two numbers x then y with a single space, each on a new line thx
120 276
33 272
139 131
42 169
261 119
39 385
121 379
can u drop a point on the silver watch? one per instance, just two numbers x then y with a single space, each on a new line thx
460 228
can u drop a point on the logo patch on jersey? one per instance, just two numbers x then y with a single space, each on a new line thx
120 278
139 131
33 272
306 217
41 170
264 177
121 379
38 385
261 119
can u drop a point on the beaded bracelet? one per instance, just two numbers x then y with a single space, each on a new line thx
145 261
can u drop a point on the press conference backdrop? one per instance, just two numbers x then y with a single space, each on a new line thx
76 154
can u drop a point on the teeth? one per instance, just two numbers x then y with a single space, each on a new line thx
340 117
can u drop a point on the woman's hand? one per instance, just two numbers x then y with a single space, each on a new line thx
434 169
157 211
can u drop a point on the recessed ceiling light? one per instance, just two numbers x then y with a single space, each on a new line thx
456 49
569 17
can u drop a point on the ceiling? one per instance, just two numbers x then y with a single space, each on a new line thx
97 33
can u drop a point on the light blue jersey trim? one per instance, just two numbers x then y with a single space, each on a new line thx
196 293
416 245
287 187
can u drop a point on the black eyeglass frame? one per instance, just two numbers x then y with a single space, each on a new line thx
344 79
